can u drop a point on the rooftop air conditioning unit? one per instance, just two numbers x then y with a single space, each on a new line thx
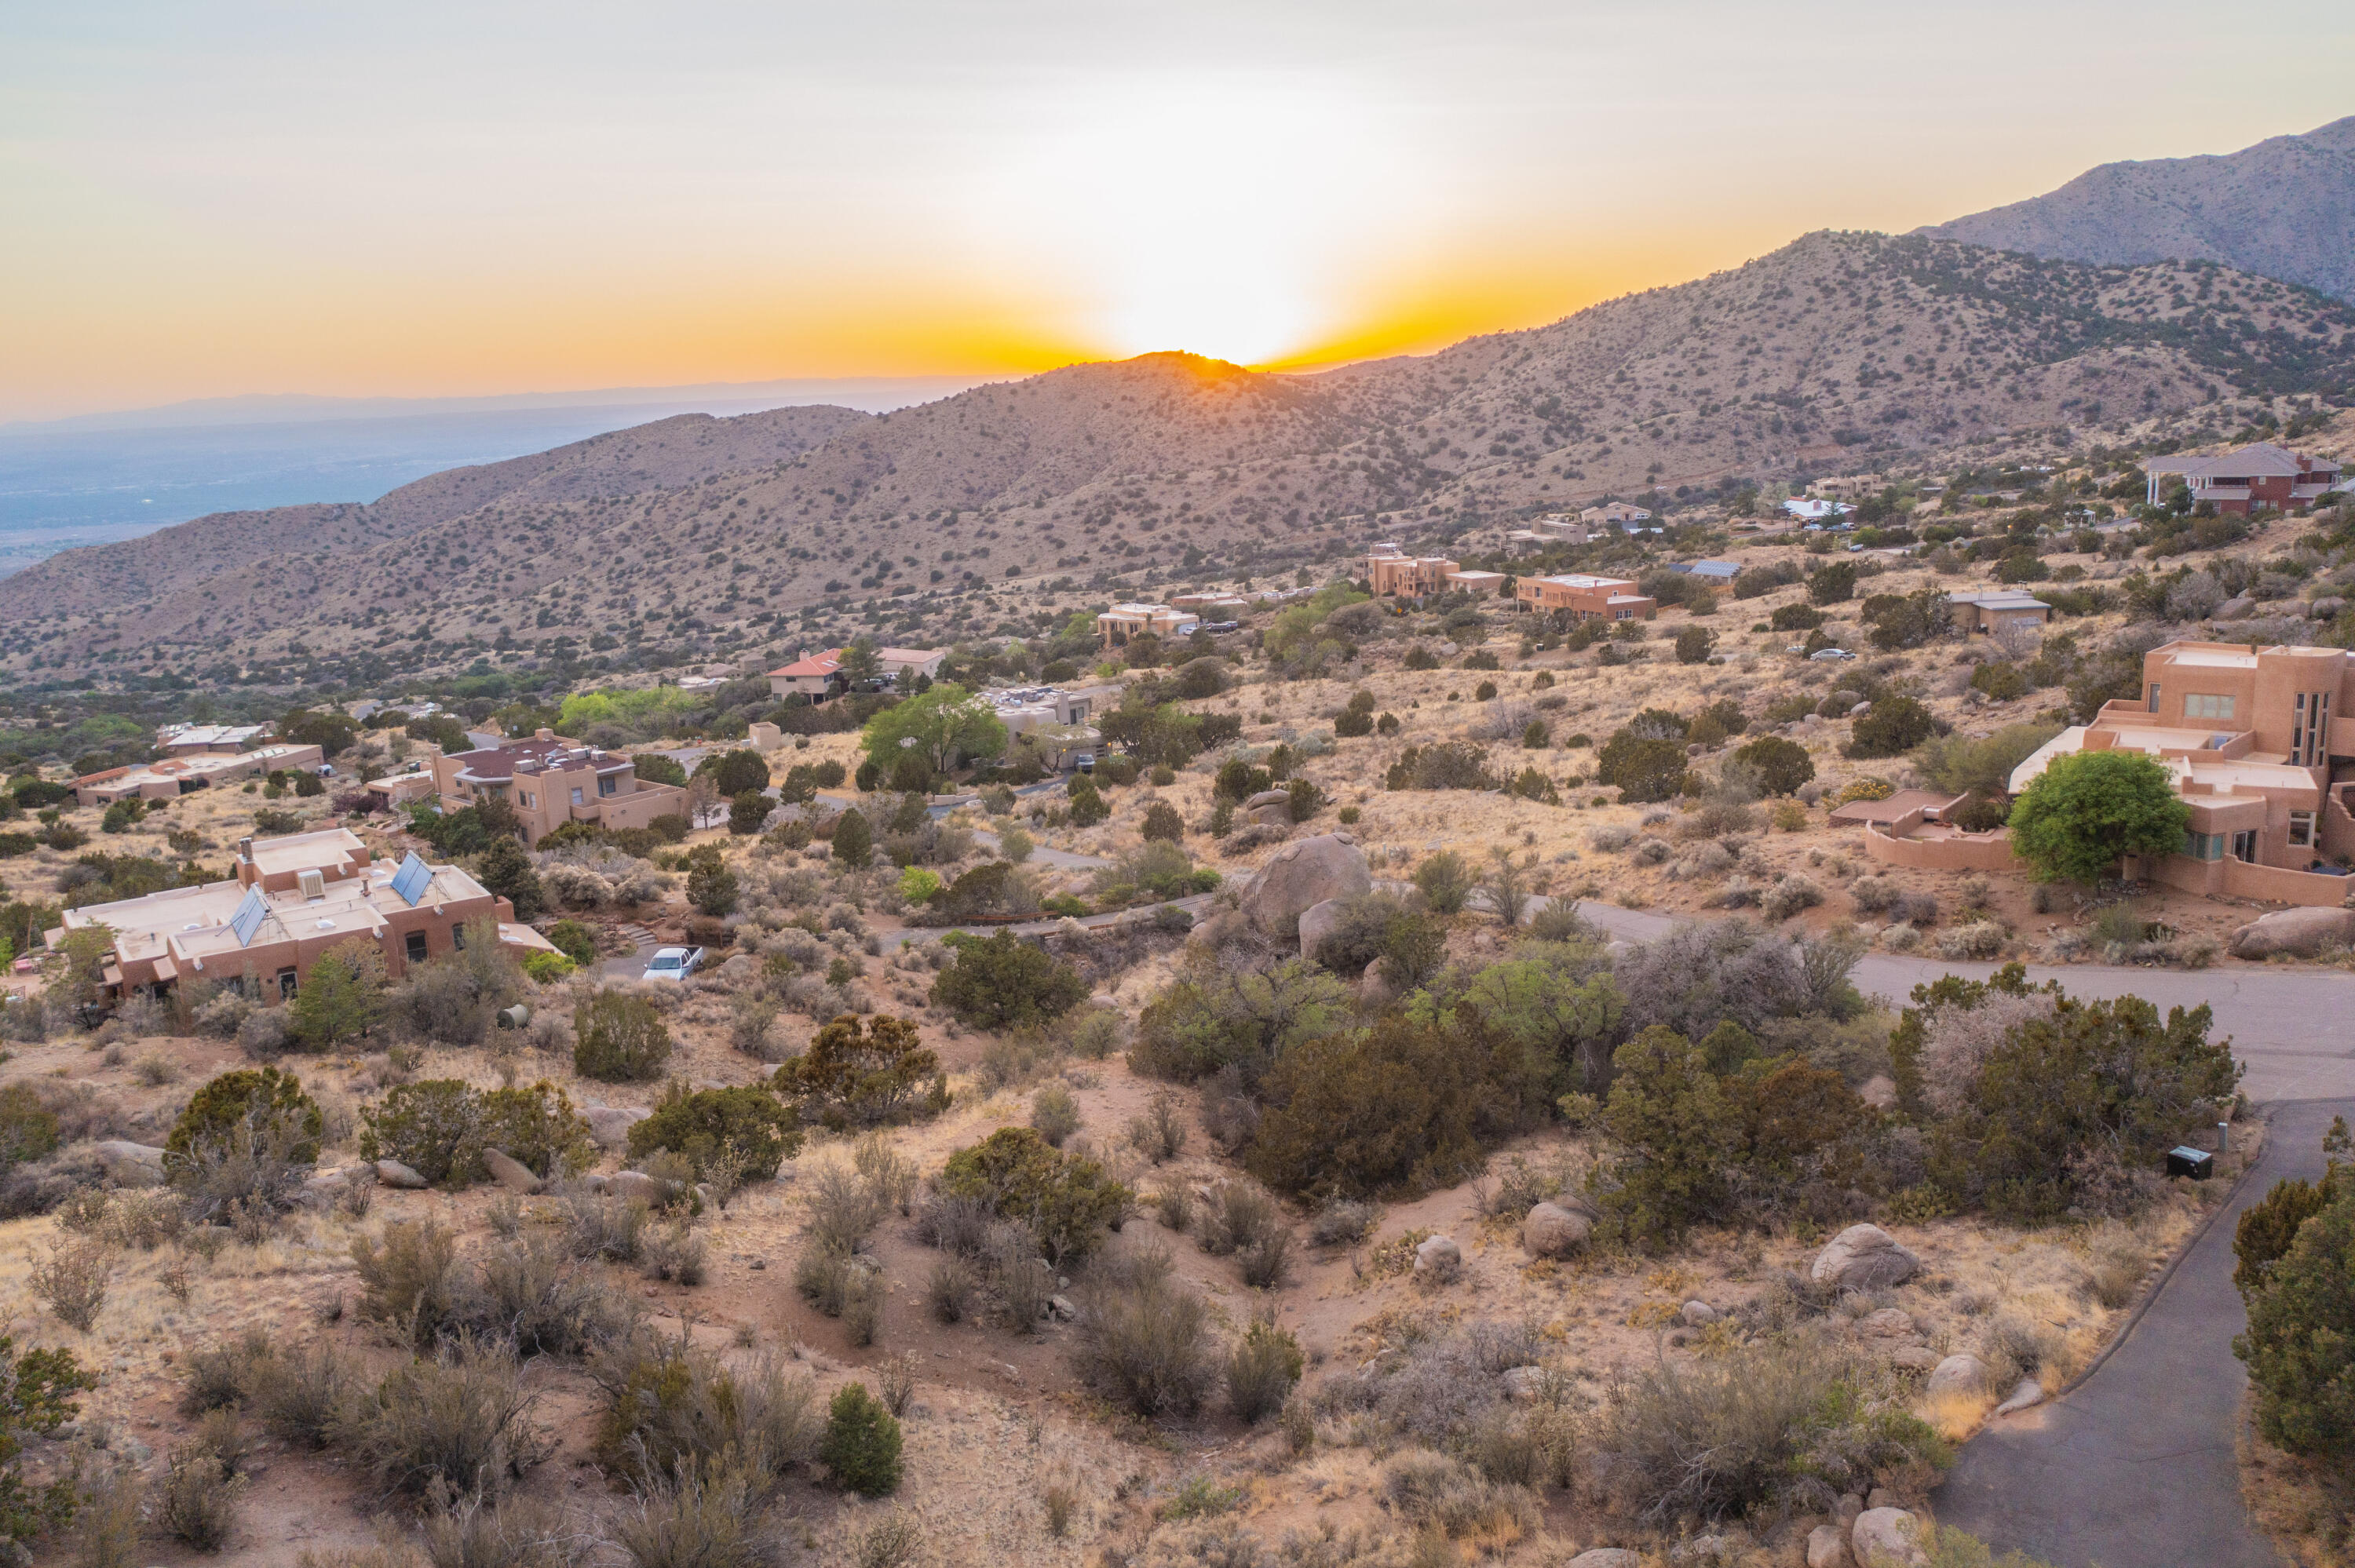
313 882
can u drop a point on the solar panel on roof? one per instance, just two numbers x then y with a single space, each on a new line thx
250 912
412 879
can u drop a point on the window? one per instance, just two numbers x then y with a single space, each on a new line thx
2204 846
416 946
2204 706
2154 696
2309 730
457 939
608 784
2301 830
286 984
577 798
2244 845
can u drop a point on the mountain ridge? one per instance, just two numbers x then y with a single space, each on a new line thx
2284 207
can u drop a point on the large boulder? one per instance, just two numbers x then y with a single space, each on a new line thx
129 1164
1552 1230
510 1172
2239 607
393 1173
1300 876
1439 1258
1863 1257
2326 607
610 1125
1317 922
1957 1374
1887 1537
1827 1547
2296 933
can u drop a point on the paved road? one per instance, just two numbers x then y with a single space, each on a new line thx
2138 1464
2293 1030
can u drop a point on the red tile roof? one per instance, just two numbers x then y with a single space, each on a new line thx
812 664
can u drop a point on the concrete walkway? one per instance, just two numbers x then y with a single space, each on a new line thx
2138 1465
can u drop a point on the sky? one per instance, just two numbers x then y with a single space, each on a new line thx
207 198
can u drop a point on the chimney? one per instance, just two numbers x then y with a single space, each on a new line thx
245 850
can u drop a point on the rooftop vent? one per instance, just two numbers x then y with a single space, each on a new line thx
313 883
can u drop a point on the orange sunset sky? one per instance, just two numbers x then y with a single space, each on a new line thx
209 199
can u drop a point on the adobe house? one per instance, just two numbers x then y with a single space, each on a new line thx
550 781
175 776
2257 747
1391 571
816 676
1123 621
292 899
1989 612
189 739
1583 598
904 664
2240 482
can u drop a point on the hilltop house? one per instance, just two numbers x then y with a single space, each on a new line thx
2259 748
550 781
1996 609
1817 511
1391 571
904 664
291 899
190 739
2240 482
1123 621
181 775
1583 598
1614 514
816 676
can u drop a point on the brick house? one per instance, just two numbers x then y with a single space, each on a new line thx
1581 597
2259 748
2240 482
550 781
291 899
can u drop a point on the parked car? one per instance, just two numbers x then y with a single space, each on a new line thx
674 963
1086 762
1833 654
1216 625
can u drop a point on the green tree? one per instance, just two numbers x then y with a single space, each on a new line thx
1678 1136
860 663
1782 766
505 869
1162 822
36 1389
343 996
1214 1016
654 767
1694 644
1967 765
1067 1200
2085 811
1833 583
271 1100
943 723
854 838
1088 805
2268 1227
861 1446
1397 1107
1893 725
2300 1342
849 1079
1643 769
1003 982
1446 880
747 812
728 1135
733 772
711 884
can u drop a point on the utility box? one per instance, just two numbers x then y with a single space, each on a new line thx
2195 1164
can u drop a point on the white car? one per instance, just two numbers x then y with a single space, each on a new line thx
1834 654
674 963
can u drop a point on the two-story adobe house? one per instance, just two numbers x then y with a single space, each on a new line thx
550 781
1576 596
292 899
2260 748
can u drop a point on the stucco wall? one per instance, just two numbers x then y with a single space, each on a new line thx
1972 852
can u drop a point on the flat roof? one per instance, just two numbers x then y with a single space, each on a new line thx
1582 580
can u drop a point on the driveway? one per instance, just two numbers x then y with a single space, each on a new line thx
2138 1464
2293 1030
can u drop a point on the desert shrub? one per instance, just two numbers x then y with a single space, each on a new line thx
1788 896
1446 881
2267 1227
487 1533
861 1447
1374 926
407 1278
196 1503
37 1397
953 1223
950 1289
1159 1132
1067 1200
453 1423
220 1376
1215 1015
1398 1107
529 1294
668 1405
432 1126
1142 1338
1024 1282
28 1130
1781 1428
853 1079
297 1394
452 1000
1261 1369
1054 1114
1872 894
263 1098
1344 1223
598 1225
1891 727
730 1135
1234 1218
1444 765
619 1039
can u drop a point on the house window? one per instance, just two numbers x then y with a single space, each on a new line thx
457 939
416 946
2309 728
286 984
2244 845
2203 706
609 784
577 798
2154 696
2204 846
2301 830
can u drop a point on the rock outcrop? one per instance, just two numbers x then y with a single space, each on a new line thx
1863 1257
1301 876
1552 1231
2294 933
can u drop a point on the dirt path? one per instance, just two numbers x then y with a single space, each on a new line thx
2139 1464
